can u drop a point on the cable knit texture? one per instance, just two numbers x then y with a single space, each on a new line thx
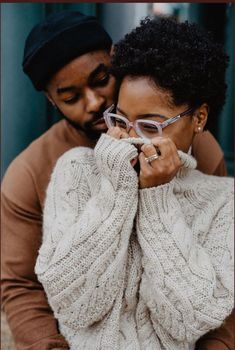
130 269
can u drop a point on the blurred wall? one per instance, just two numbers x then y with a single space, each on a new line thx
219 19
120 18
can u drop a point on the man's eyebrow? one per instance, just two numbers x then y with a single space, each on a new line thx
65 89
147 115
99 69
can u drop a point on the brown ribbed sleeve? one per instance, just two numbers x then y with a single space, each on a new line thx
23 299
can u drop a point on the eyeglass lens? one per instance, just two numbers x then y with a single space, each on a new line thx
118 122
144 129
148 130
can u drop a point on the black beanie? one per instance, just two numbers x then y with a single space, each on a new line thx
59 39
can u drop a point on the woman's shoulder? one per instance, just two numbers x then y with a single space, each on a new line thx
78 155
215 185
224 181
78 160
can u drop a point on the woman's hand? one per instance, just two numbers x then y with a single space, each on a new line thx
161 170
117 133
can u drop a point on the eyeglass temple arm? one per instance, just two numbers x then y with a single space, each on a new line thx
108 110
172 120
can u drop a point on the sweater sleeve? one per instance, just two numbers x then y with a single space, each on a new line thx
88 220
187 285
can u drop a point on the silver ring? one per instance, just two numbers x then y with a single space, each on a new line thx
151 158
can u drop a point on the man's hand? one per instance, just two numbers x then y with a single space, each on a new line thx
161 170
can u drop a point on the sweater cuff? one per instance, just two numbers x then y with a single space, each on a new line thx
113 156
114 151
156 199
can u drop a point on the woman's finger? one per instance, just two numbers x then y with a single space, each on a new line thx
144 165
117 133
160 146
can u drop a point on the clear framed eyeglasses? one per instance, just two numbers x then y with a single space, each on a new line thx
143 128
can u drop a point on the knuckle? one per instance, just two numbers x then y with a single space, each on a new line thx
178 165
112 130
160 171
173 167
147 148
165 140
147 173
116 129
179 162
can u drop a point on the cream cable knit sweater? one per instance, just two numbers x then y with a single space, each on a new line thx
129 269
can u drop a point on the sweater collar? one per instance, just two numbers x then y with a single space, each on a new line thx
188 162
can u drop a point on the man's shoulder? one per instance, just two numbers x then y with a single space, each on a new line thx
50 144
78 160
30 171
81 155
209 155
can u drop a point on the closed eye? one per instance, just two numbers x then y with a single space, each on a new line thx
148 127
72 99
102 81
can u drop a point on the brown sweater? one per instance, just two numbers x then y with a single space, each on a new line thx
23 192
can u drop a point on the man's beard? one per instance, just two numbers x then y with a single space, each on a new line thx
87 128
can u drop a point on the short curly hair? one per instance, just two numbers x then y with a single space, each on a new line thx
179 57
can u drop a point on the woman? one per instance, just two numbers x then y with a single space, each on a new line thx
137 247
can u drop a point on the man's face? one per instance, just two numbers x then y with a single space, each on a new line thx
82 90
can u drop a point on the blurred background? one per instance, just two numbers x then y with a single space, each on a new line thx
26 114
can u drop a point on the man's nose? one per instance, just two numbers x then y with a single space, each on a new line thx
93 101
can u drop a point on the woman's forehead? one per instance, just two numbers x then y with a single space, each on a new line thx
141 93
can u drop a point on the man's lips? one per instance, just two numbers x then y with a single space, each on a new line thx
98 121
99 124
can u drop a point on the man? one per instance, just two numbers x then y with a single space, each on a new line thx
68 57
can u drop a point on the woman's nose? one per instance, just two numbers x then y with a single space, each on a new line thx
132 132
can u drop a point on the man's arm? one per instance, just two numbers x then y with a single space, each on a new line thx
209 155
221 338
28 313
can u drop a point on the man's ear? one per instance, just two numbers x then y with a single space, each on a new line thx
48 96
200 118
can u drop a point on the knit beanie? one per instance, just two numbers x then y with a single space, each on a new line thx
60 38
